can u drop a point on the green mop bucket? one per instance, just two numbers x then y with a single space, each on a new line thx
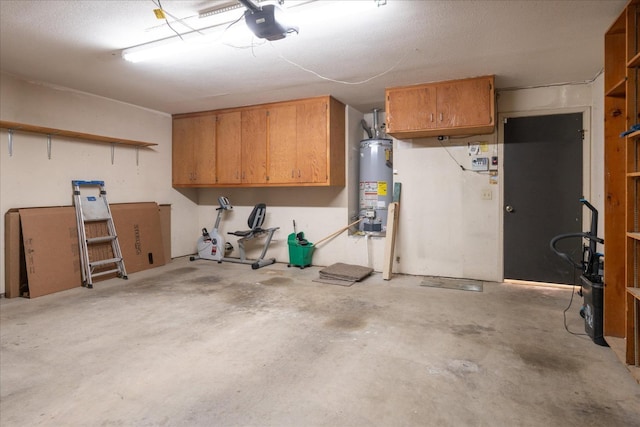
299 253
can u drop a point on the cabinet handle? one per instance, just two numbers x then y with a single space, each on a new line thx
298 173
441 116
431 117
243 175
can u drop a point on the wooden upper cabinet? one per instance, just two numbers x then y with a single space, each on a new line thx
466 103
455 107
411 108
292 143
194 151
307 142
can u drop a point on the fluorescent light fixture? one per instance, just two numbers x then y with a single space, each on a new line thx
174 45
156 49
184 43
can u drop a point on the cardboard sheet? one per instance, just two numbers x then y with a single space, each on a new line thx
15 272
50 239
42 251
138 229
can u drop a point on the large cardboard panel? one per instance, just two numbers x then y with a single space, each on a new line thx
139 234
165 226
50 239
50 249
15 271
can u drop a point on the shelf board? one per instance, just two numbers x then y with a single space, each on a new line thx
634 135
633 175
634 62
619 26
619 90
21 127
635 292
634 235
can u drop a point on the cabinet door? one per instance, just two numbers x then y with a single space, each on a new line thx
228 148
193 151
411 108
311 124
282 144
254 146
182 152
465 103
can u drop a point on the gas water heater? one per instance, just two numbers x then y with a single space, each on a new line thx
376 178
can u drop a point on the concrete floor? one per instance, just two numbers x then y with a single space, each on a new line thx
207 344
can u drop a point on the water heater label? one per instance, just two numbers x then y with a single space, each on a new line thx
368 194
382 188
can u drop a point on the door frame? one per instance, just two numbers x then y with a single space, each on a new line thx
586 165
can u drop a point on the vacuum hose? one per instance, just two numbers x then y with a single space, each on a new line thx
565 256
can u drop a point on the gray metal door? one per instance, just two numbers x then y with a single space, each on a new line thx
542 189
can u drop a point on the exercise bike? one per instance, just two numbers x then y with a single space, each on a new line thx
211 245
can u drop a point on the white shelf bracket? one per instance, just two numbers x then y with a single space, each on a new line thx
49 146
137 156
113 152
10 134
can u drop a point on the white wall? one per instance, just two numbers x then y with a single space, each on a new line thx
28 178
445 227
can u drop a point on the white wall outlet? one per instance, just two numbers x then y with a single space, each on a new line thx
487 194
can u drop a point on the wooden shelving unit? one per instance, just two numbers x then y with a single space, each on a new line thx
632 354
622 185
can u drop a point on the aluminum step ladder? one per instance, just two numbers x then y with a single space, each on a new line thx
100 253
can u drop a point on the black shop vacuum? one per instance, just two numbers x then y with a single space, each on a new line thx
591 269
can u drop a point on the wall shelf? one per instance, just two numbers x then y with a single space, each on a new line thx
619 90
634 62
21 127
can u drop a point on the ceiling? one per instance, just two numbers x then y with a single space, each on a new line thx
349 49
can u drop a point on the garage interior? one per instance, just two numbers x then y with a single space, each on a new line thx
465 316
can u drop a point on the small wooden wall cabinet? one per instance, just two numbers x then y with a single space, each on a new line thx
457 107
284 144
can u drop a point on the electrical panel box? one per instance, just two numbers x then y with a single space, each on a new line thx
480 164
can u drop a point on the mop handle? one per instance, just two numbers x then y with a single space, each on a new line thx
337 232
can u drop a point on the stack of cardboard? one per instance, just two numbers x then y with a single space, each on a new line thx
42 248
